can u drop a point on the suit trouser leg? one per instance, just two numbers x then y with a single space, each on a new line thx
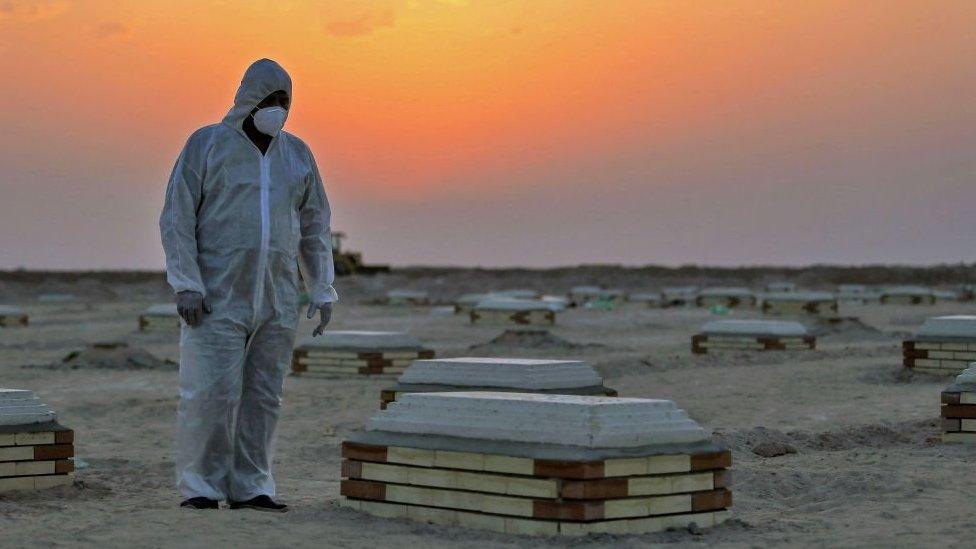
265 364
211 364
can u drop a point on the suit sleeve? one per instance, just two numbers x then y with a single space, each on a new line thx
315 246
178 222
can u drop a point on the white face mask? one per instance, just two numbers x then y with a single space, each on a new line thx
270 120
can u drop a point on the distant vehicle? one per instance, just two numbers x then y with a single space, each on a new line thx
347 262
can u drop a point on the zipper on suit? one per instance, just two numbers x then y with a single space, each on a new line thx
262 266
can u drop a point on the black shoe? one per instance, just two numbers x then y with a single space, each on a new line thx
260 503
200 503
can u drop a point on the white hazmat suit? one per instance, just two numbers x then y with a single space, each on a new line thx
235 227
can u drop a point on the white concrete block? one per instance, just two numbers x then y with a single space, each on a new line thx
780 286
586 421
492 303
518 373
56 298
22 407
955 326
362 341
748 328
679 292
726 292
968 376
517 294
7 310
645 297
906 291
803 297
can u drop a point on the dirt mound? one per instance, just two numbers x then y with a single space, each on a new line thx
898 374
761 440
847 327
112 356
530 339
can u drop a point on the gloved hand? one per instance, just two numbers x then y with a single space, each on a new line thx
192 306
325 315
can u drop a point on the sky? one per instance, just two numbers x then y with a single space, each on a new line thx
512 132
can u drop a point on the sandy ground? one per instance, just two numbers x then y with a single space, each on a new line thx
868 468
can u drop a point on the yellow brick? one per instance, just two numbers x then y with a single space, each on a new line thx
7 468
629 507
668 464
964 356
50 481
24 439
410 456
459 460
646 486
928 345
940 354
669 504
530 487
968 438
967 398
693 483
16 453
967 424
432 477
7 439
385 473
625 467
501 505
955 347
16 483
34 468
506 464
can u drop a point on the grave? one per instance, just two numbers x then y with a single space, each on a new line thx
521 375
537 464
36 452
355 353
942 345
752 335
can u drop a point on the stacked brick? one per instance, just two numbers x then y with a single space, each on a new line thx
821 304
942 345
517 312
959 408
517 375
161 317
726 297
752 335
36 452
354 353
12 317
537 464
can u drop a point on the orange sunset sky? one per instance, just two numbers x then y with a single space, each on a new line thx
531 132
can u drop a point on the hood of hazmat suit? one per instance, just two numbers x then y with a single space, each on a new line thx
236 227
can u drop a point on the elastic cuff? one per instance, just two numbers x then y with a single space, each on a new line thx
328 295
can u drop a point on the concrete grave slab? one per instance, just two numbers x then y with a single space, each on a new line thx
750 328
502 372
362 341
557 419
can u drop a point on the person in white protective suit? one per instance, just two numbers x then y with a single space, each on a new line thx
245 207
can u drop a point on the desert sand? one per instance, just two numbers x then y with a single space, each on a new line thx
865 466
